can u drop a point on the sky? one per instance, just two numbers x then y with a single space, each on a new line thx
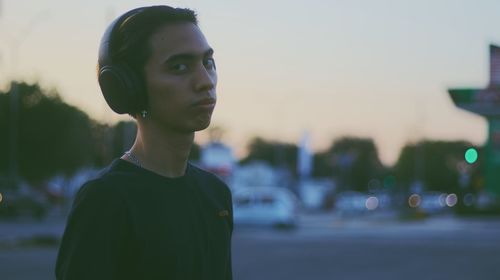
376 69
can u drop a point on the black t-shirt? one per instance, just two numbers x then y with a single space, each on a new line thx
131 223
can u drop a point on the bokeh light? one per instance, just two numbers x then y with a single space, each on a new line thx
1 197
471 155
451 200
371 203
414 200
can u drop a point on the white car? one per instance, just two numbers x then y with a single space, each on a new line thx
265 206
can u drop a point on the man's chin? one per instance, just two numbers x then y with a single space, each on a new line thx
202 126
197 125
189 127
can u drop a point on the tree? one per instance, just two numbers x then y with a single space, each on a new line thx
434 163
52 137
55 137
277 154
353 161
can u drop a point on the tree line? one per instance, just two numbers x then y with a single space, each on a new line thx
54 137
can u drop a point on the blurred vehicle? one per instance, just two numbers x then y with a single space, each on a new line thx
265 206
351 202
16 203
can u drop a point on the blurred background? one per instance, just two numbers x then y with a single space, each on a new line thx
360 139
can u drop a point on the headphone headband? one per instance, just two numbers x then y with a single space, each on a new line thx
121 87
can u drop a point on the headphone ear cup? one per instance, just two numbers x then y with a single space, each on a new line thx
122 89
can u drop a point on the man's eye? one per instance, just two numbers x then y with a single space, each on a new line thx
210 63
179 67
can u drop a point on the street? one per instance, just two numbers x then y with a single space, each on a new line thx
327 247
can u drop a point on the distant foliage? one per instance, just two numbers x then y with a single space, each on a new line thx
55 137
353 161
52 135
277 154
434 163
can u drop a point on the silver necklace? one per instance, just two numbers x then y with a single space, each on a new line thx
133 158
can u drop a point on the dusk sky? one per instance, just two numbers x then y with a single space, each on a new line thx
366 68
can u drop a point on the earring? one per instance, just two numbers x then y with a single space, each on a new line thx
144 113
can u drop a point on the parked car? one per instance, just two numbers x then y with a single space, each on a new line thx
265 206
15 203
21 199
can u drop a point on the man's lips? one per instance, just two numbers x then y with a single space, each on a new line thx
207 102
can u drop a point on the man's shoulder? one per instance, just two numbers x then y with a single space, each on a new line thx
97 187
199 172
115 171
209 178
108 182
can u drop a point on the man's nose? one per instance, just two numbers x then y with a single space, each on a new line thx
205 79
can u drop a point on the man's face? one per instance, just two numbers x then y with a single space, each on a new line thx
180 78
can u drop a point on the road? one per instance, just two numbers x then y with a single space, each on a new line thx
325 247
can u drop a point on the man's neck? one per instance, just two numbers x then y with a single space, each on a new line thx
162 151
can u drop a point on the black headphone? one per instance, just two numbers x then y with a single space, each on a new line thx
123 90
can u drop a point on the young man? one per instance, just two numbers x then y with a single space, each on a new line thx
151 214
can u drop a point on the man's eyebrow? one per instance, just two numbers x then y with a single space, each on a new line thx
189 56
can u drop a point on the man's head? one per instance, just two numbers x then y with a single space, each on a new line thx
157 59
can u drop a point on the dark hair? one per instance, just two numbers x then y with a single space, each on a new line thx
132 41
131 44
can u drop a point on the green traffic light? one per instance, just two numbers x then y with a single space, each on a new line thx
471 155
